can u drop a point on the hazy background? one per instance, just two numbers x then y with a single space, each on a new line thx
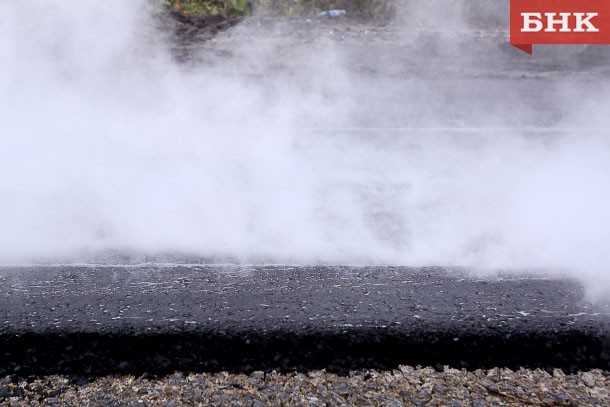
109 146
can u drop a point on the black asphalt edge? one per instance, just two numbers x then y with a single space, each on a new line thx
99 354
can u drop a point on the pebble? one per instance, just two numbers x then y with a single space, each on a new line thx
406 385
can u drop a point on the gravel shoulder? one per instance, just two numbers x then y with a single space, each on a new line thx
402 386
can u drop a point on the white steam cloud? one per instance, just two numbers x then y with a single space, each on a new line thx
108 144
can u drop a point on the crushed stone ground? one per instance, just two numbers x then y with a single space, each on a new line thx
403 386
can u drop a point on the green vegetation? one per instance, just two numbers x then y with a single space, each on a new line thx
291 8
199 7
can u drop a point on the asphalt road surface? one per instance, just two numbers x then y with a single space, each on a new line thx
97 320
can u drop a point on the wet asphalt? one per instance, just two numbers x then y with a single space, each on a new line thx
97 320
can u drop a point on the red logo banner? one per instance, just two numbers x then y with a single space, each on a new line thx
559 22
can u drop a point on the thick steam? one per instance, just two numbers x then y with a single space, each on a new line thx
106 144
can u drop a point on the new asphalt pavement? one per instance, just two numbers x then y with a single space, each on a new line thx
158 318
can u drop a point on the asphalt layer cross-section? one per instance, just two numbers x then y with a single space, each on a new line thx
96 320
